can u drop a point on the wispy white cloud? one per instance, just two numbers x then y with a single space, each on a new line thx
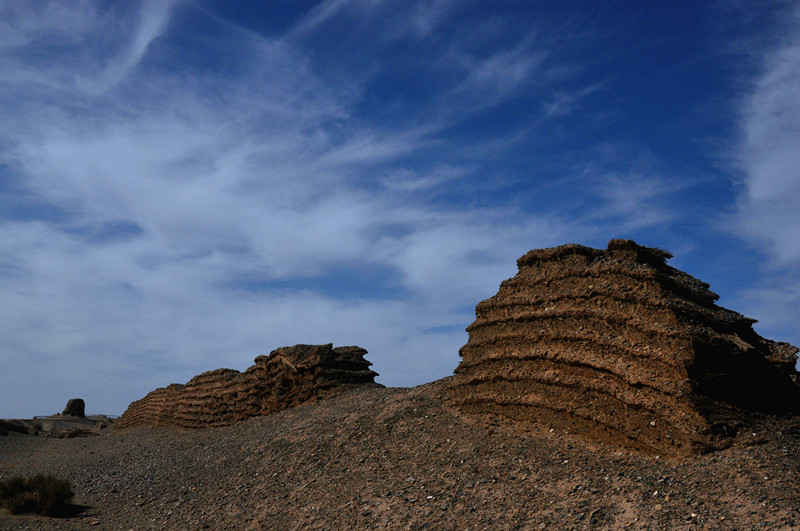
417 20
189 206
100 44
427 16
563 102
410 181
153 17
775 302
767 157
768 154
490 79
22 23
636 200
622 190
321 14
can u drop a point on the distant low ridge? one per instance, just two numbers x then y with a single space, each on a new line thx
615 345
289 376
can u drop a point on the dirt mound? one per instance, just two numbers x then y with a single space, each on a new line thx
287 377
378 458
75 407
617 346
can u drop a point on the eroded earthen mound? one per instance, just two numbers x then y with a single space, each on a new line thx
75 407
617 346
287 377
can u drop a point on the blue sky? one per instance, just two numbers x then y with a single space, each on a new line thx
186 185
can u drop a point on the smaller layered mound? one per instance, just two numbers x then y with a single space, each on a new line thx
617 346
287 377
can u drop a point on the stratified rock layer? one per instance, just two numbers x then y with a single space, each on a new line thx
287 377
617 346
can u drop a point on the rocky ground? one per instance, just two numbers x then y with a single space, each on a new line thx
404 459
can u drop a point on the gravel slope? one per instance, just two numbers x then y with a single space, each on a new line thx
403 459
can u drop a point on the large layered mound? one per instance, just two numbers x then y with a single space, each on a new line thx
287 377
617 346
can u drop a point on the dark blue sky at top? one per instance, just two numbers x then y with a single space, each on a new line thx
653 60
185 185
660 85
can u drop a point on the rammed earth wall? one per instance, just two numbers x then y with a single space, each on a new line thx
287 377
620 347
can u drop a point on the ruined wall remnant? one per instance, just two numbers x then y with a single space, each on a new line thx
75 407
287 377
619 347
